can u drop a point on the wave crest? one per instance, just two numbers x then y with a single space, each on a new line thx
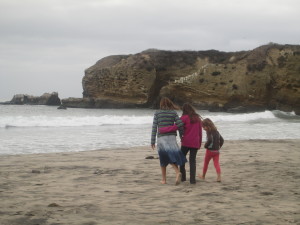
46 121
78 121
243 117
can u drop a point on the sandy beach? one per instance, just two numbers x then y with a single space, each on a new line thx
260 185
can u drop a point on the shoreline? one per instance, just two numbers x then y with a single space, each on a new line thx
142 146
260 185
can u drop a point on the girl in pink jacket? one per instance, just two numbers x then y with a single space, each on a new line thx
191 140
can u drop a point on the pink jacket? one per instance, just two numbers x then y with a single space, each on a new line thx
192 136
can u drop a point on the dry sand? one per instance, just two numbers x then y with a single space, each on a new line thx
260 185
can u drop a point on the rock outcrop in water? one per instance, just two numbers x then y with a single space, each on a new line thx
267 77
45 99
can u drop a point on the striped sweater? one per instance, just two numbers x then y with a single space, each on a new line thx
164 118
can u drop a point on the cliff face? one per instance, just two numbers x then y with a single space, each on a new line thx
267 77
117 80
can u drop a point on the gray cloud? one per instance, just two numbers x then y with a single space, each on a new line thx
46 45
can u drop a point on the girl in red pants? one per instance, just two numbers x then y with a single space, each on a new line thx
213 144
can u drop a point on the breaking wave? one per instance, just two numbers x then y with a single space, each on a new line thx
78 121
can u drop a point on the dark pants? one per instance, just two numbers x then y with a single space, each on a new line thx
192 161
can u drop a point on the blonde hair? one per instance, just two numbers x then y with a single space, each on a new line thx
167 104
208 123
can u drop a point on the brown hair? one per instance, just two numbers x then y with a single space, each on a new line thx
208 123
167 104
188 109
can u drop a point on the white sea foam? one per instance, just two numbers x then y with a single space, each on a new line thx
77 121
71 121
243 117
37 129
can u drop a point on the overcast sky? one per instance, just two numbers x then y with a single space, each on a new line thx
45 45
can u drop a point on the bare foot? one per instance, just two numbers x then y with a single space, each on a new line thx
178 178
201 177
163 182
219 179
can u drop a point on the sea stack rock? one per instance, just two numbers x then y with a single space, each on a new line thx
45 99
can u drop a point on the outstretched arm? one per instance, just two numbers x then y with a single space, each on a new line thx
200 135
154 131
168 129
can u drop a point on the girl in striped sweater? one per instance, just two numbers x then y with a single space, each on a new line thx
167 147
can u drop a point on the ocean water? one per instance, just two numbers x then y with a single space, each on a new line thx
45 129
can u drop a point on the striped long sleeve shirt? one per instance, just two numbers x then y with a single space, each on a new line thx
164 118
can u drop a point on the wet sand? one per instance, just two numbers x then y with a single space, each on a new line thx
260 185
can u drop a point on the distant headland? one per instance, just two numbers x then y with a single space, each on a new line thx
267 77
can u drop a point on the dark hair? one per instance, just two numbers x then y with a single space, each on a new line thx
208 123
167 104
188 109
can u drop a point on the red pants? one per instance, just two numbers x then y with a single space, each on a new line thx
211 155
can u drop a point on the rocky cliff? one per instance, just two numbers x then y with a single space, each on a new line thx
267 77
